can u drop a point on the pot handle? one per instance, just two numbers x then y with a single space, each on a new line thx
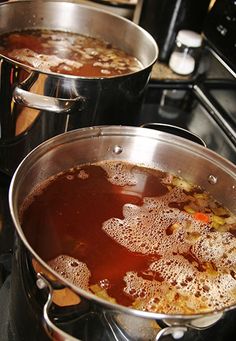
21 95
175 130
177 332
55 333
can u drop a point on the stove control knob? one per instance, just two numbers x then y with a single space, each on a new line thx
222 30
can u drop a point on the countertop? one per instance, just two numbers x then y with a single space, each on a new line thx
161 71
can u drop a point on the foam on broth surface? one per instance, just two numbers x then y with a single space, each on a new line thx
67 53
136 237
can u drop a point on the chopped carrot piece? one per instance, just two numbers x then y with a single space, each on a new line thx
201 216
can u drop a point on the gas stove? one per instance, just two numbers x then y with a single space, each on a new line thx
205 105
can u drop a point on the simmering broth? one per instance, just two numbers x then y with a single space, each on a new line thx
67 53
136 236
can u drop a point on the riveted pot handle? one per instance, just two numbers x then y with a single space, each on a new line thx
21 95
55 333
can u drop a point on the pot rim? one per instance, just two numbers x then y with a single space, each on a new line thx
107 130
29 68
116 3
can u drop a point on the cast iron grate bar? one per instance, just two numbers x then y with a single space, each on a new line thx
217 112
200 88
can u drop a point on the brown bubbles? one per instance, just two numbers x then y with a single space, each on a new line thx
82 175
157 228
218 247
42 61
119 173
143 228
72 269
183 289
67 53
123 230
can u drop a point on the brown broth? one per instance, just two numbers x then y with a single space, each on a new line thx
73 215
67 219
67 53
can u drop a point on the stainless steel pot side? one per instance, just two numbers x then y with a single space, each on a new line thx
149 147
36 105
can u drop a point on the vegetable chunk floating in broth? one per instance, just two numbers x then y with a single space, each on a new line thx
153 241
67 53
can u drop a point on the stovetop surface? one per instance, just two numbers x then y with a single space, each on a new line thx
183 108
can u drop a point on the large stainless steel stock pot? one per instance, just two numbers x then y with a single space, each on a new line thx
168 152
36 105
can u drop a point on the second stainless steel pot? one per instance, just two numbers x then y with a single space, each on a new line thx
168 152
35 105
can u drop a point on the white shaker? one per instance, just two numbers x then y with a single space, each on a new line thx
186 52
